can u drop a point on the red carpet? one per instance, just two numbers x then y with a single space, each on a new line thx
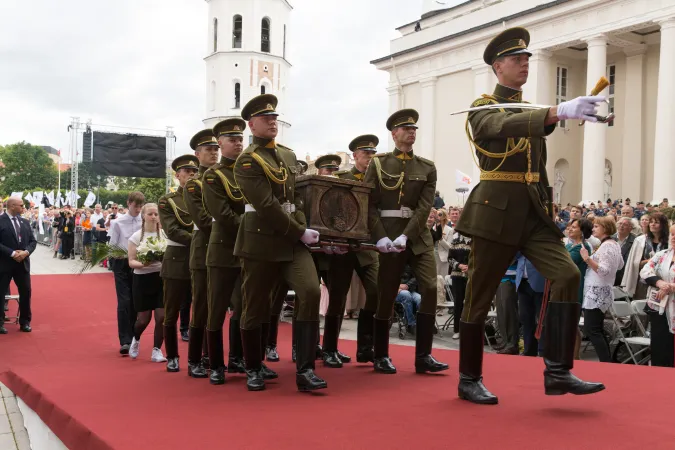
68 370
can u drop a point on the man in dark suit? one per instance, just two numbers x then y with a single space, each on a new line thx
17 242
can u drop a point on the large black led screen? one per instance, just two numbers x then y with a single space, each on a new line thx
129 155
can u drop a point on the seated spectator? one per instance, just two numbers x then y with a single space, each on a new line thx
659 273
600 274
409 298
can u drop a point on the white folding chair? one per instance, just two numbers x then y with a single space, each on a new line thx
9 318
625 310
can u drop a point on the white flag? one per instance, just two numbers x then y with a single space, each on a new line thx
462 179
91 198
29 197
59 200
17 194
50 197
37 197
41 213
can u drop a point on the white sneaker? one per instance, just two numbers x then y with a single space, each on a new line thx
157 355
133 351
455 336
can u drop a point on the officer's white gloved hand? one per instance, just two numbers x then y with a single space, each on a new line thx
384 245
310 236
400 242
580 108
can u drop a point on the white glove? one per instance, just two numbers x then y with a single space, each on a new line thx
384 245
399 243
310 236
580 108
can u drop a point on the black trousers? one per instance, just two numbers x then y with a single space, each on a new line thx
68 243
185 312
593 327
22 280
458 294
662 341
126 314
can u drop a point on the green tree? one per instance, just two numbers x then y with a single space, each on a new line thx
25 166
152 188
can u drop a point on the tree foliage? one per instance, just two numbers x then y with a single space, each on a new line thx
26 166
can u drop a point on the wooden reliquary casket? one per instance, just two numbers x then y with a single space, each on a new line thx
336 208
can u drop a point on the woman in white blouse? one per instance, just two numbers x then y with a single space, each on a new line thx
659 273
147 286
600 274
443 244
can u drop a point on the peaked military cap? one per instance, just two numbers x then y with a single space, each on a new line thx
230 127
204 137
303 166
512 41
185 161
262 105
366 142
403 118
328 162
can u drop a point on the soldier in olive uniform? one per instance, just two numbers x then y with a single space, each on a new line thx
279 295
224 202
400 204
340 275
272 243
177 225
205 145
506 213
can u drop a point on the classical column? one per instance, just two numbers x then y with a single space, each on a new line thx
394 105
425 134
631 181
664 140
595 138
483 83
538 87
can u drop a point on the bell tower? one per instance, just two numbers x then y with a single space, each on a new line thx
246 53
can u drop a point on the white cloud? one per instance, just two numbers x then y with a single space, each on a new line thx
139 63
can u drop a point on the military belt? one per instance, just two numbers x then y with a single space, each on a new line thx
403 213
287 207
513 177
171 243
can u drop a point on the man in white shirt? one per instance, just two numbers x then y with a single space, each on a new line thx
121 230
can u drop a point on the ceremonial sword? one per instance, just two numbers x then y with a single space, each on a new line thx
601 119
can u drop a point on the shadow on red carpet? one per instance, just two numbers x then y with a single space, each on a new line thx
69 371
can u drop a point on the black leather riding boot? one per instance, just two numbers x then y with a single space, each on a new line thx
294 342
471 386
235 360
271 353
206 361
196 368
364 337
330 339
171 347
251 340
560 333
266 372
215 343
424 339
305 378
344 358
382 363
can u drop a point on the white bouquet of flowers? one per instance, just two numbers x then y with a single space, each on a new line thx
151 249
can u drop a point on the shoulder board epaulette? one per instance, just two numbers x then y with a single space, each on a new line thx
484 100
341 172
285 148
380 155
250 149
426 161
